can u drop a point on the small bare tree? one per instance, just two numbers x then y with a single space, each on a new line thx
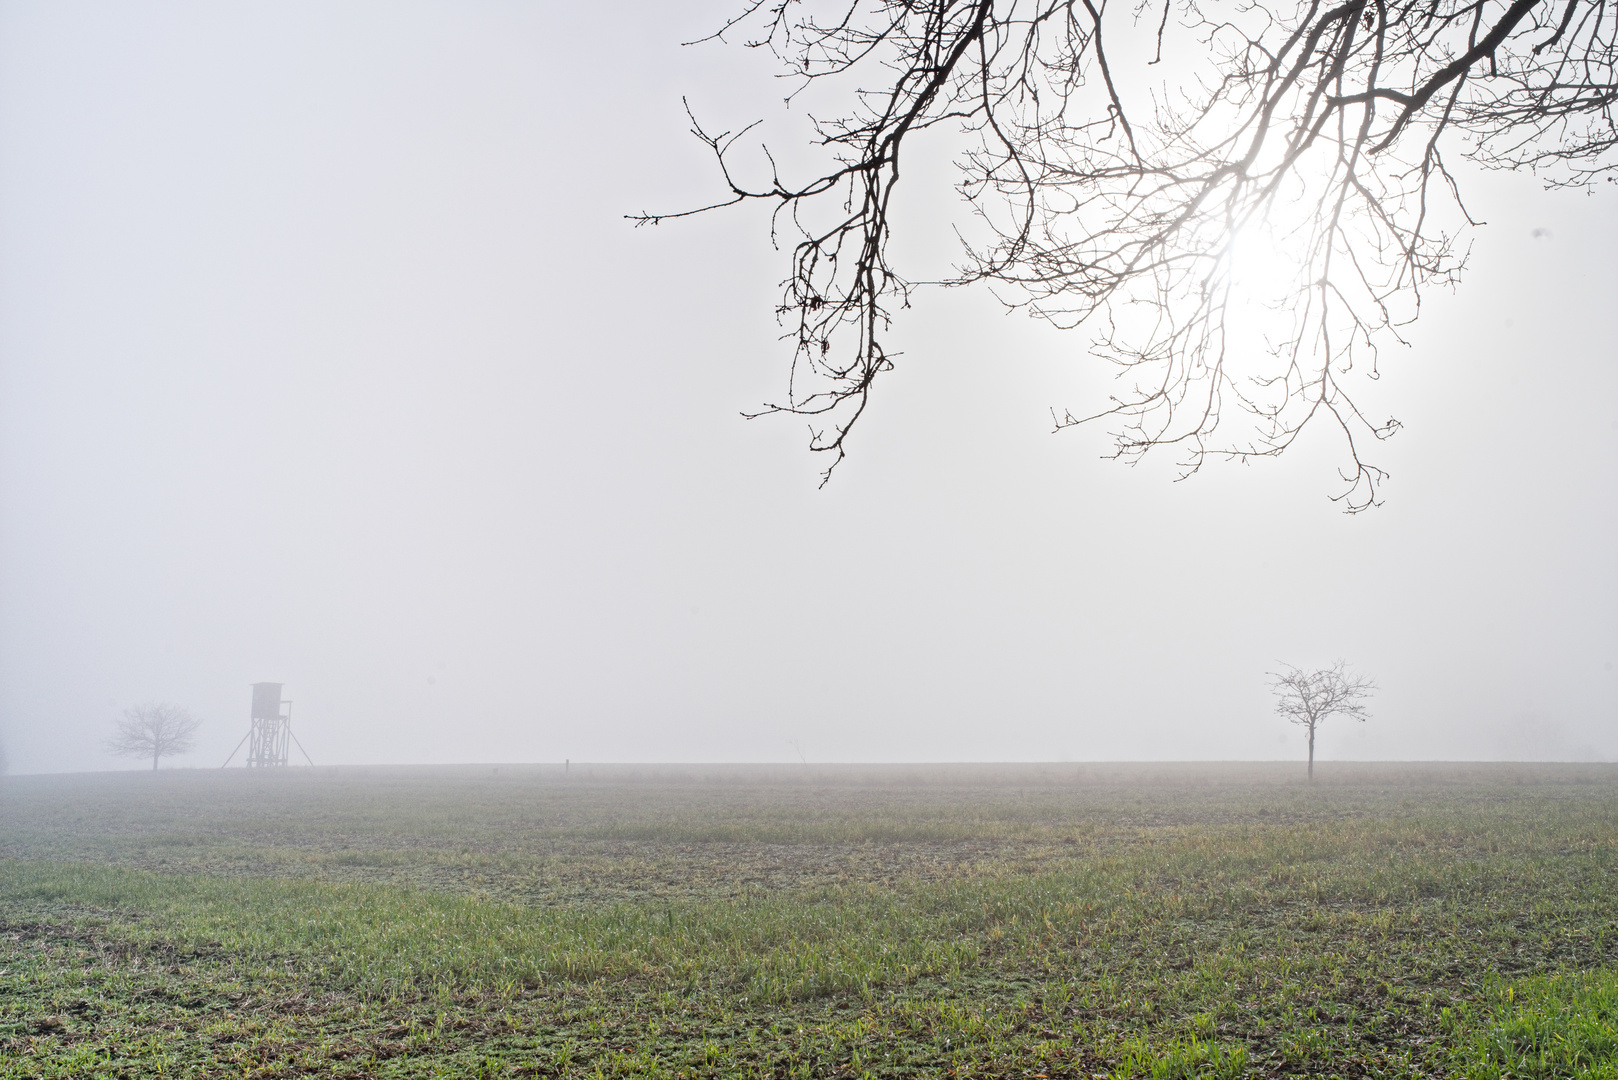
157 729
1307 698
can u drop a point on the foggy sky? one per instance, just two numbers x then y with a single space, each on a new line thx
327 357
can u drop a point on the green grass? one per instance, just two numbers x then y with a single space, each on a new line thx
1563 1025
1127 922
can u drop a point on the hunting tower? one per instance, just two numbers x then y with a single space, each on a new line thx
272 726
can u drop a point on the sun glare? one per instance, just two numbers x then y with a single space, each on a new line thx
1260 268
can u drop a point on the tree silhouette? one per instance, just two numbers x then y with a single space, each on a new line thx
1129 167
1310 698
157 730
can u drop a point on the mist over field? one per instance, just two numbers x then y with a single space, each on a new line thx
328 358
1182 921
348 421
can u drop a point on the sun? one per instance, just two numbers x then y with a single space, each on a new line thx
1260 266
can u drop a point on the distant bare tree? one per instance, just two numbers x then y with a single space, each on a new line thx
1243 228
157 730
1308 698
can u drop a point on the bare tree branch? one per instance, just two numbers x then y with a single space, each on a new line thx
1241 243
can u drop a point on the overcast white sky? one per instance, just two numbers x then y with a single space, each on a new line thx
327 357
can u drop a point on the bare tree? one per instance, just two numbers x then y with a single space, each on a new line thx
1308 698
1243 236
157 730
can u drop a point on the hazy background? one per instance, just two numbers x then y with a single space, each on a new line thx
327 357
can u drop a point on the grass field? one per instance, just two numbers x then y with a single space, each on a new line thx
1159 922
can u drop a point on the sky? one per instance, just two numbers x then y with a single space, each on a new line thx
328 357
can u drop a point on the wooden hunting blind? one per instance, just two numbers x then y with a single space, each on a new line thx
271 732
269 735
